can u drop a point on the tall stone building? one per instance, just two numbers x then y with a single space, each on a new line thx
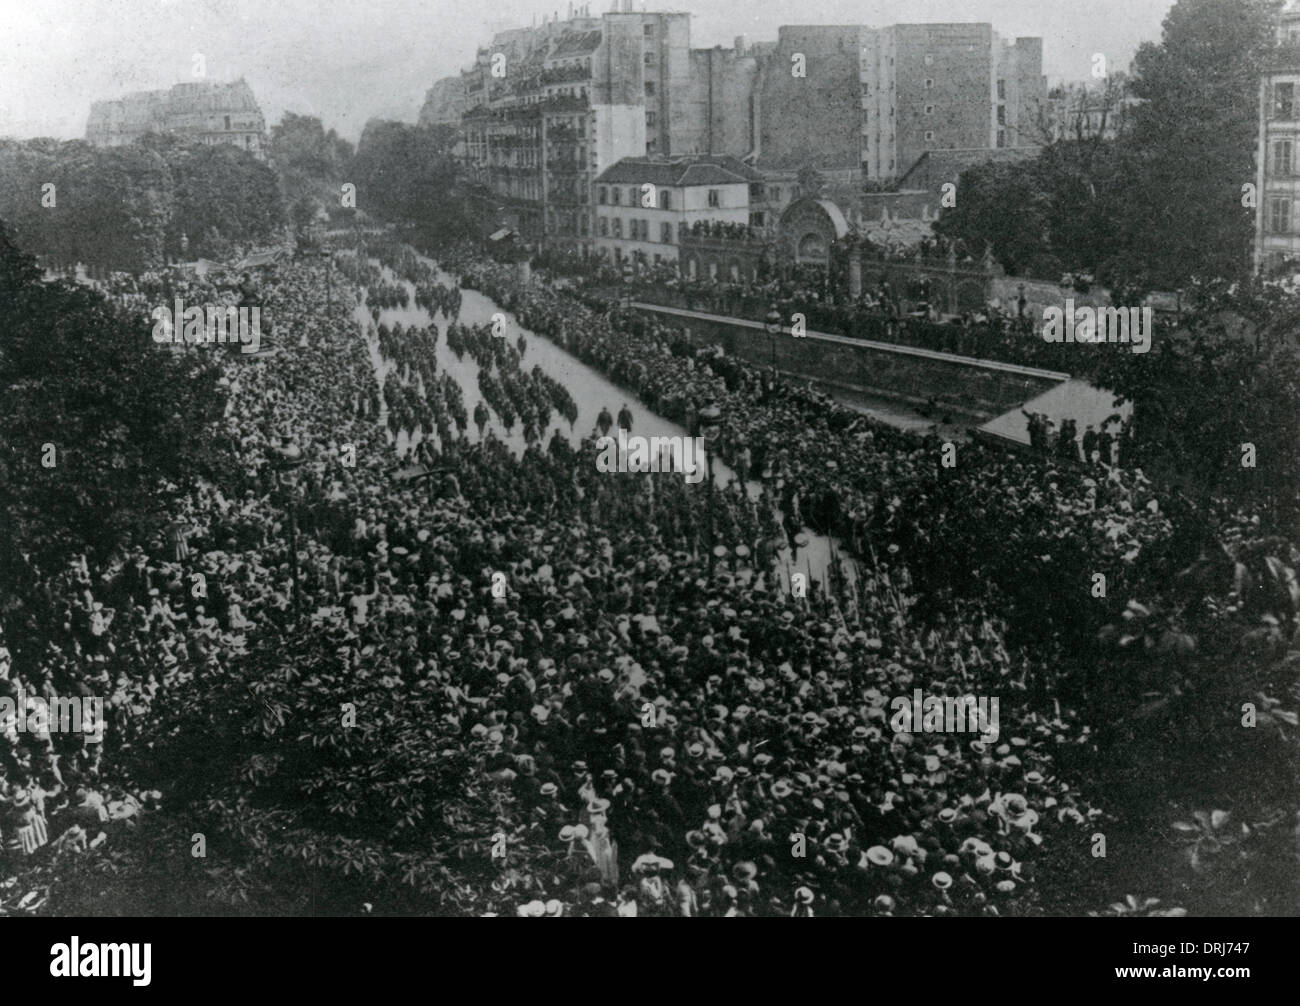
551 106
877 99
207 112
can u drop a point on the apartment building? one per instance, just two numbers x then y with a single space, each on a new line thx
877 99
207 112
1277 182
551 107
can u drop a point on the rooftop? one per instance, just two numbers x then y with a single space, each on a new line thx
680 172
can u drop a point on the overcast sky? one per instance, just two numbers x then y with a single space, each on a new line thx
350 60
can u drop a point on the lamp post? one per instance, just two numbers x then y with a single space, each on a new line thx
287 460
773 325
710 424
625 295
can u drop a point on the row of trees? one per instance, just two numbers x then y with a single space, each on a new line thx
134 207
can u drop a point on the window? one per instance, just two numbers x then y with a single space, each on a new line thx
649 58
618 227
1002 115
649 30
929 82
665 199
756 218
632 194
929 60
604 227
1002 90
776 193
1282 158
650 119
601 195
650 88
227 122
666 233
1280 216
929 110
1002 137
713 198
1283 99
929 135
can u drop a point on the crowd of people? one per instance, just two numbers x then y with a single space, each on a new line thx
684 732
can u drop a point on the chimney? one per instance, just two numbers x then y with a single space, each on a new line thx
742 43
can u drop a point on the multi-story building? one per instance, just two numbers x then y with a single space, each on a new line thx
207 112
551 107
645 206
1277 182
1079 111
877 99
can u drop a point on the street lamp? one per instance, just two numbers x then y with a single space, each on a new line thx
773 325
710 424
625 294
287 460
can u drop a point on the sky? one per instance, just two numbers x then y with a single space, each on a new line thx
348 61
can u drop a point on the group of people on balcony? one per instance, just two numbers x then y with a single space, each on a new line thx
722 229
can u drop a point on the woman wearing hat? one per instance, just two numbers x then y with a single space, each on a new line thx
24 824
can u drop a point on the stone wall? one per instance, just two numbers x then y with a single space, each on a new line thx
975 393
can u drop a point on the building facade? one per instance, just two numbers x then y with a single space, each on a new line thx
1277 182
875 99
551 107
647 207
204 111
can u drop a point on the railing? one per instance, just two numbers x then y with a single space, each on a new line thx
564 74
563 103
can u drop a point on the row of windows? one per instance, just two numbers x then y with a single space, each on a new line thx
613 195
637 230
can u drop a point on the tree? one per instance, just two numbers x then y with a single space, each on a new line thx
95 422
1004 205
1192 145
406 173
225 191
